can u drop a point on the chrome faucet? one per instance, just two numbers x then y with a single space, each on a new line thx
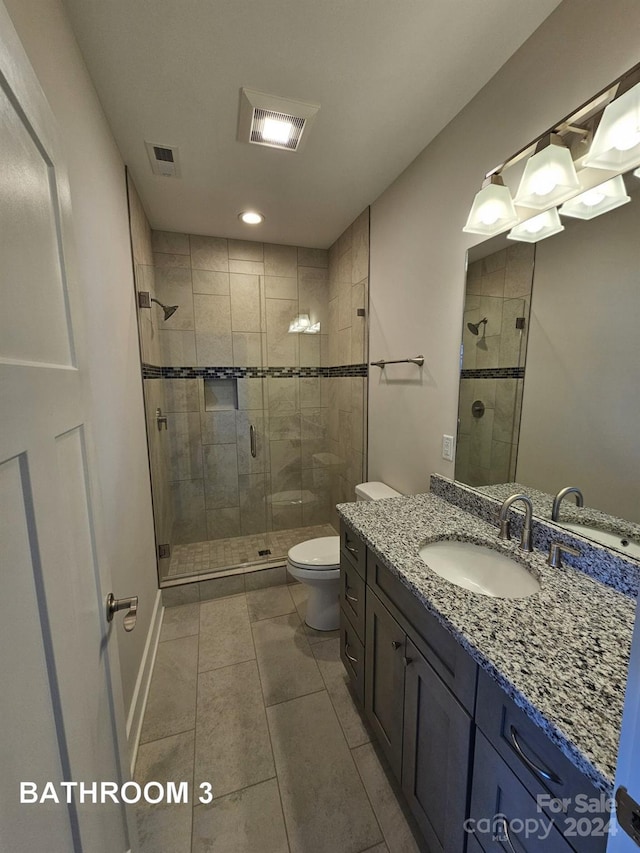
505 525
570 490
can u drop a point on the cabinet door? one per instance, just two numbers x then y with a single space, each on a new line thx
384 679
436 760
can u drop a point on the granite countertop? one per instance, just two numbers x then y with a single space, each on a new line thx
561 654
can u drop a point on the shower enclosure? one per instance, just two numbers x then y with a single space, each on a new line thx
255 394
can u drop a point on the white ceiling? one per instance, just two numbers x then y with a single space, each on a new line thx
388 74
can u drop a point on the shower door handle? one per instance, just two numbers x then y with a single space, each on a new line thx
252 439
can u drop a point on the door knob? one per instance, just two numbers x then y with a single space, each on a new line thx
128 604
395 644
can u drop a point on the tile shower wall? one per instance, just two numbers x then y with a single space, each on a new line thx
154 389
346 397
498 289
236 300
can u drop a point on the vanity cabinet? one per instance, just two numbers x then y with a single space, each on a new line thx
517 767
459 746
384 679
437 743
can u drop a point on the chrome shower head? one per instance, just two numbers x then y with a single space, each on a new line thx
169 310
474 328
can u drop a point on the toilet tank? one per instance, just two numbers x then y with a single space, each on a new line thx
375 491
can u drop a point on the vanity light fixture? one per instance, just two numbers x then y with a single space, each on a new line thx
538 228
549 175
616 143
600 199
251 217
302 325
492 211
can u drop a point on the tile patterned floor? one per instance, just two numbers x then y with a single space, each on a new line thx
245 696
218 554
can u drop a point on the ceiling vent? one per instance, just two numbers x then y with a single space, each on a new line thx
274 122
164 159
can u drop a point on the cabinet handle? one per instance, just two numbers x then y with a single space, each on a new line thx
406 661
351 658
350 548
395 644
505 835
547 775
350 597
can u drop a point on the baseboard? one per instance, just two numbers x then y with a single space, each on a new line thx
143 682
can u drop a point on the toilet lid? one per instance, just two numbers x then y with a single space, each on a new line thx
316 553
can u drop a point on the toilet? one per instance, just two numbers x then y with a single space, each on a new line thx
316 563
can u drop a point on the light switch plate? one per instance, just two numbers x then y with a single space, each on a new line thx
447 447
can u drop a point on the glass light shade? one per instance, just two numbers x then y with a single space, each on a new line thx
541 226
616 143
492 211
549 178
600 199
300 324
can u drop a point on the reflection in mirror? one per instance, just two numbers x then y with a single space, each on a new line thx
562 407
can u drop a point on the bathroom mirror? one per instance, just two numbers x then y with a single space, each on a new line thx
549 391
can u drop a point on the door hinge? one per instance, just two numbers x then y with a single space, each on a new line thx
628 814
164 551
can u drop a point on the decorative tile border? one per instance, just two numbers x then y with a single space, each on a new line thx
152 371
492 373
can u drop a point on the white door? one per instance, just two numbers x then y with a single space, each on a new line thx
60 708
628 770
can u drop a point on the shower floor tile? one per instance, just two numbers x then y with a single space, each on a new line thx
219 554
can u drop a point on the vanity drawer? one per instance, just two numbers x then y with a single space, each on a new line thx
353 548
352 595
538 763
352 655
450 661
498 797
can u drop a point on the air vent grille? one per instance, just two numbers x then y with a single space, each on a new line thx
293 124
163 153
164 159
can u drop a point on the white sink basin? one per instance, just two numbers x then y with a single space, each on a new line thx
611 540
479 569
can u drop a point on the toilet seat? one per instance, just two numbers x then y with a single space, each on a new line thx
316 555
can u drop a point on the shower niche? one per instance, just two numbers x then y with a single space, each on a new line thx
220 395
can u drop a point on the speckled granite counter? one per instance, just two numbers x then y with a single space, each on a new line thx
561 654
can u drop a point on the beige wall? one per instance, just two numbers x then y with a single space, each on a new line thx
99 202
581 406
417 245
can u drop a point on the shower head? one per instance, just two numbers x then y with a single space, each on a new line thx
169 310
474 328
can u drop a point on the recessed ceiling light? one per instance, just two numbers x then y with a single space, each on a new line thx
251 217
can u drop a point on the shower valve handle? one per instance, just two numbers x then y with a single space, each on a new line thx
161 420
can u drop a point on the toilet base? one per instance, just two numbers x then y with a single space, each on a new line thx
323 607
323 600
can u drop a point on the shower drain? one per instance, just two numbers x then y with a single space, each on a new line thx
265 552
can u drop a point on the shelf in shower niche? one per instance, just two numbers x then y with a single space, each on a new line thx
220 394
